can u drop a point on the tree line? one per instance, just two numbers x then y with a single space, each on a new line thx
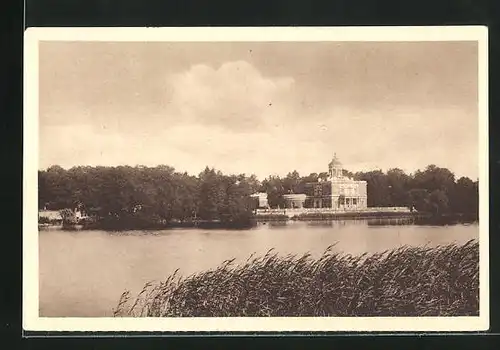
161 195
432 190
148 195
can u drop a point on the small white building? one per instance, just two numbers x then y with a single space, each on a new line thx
50 215
294 201
262 199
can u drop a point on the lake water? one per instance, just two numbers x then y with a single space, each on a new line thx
83 273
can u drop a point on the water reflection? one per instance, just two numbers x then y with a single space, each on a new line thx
275 223
403 221
391 222
348 222
445 221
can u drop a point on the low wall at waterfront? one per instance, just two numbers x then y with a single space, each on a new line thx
328 211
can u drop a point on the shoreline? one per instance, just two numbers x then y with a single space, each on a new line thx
343 215
425 218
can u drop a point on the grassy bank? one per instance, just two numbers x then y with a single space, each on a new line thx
441 281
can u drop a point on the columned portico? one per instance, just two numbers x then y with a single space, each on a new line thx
294 201
344 193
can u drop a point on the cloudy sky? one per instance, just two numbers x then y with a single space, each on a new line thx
262 108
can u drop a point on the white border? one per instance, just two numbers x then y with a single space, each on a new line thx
31 320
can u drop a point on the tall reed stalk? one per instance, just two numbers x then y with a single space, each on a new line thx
408 281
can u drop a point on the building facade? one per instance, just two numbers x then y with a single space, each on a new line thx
261 199
338 191
50 216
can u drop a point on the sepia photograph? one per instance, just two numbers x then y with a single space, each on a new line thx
256 179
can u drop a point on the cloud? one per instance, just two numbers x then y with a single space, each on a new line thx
239 121
235 96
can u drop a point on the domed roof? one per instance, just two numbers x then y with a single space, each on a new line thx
335 163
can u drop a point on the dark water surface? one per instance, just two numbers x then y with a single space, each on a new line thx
83 273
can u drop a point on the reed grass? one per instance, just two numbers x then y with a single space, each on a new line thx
408 281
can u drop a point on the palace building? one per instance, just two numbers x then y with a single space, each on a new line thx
338 191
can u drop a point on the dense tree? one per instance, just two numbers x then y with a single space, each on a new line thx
160 194
291 183
438 201
378 188
465 197
398 186
275 190
419 198
143 194
237 204
68 216
212 193
434 178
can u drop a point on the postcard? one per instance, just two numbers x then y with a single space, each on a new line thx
265 179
